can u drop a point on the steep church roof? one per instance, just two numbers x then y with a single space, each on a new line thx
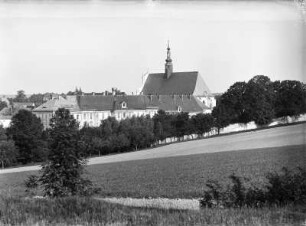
178 83
169 82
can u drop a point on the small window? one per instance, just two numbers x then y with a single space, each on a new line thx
179 109
123 104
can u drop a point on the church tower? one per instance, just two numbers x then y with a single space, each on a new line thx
168 64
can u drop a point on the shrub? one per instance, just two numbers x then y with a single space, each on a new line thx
287 187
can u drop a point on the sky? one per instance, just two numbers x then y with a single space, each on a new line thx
55 46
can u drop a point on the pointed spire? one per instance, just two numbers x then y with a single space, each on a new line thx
168 53
168 65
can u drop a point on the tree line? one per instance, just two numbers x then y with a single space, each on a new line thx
259 100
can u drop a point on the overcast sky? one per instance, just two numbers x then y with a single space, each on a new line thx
57 46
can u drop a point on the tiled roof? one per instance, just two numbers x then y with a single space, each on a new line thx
23 104
110 103
95 103
52 105
168 103
178 83
187 103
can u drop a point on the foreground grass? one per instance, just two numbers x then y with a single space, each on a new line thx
186 176
85 211
177 177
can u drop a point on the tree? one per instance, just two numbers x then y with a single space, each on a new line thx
21 97
61 175
37 99
231 106
138 130
259 100
8 152
202 123
3 104
163 125
233 99
290 98
27 132
182 124
221 116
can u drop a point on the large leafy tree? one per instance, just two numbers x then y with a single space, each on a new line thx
138 130
290 99
21 97
61 175
231 107
37 99
8 151
221 115
163 125
182 124
27 132
259 100
202 123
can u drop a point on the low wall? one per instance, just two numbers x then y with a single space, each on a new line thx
235 128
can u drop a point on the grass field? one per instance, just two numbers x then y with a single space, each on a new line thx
177 177
171 177
81 211
180 170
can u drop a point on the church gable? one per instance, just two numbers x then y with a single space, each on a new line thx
180 83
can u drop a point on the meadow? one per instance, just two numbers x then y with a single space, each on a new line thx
84 211
177 177
170 177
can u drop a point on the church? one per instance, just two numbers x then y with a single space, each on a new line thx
178 83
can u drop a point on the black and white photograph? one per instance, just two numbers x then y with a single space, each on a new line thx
153 112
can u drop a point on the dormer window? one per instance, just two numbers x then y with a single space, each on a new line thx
179 109
123 105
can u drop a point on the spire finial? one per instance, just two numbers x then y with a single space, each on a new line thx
168 53
168 65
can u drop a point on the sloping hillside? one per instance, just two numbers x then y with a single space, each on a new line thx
273 137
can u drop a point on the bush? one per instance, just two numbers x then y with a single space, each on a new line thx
285 188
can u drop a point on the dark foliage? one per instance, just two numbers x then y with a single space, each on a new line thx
182 124
3 104
61 175
260 100
37 99
21 97
8 151
163 125
202 123
285 188
26 131
290 98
